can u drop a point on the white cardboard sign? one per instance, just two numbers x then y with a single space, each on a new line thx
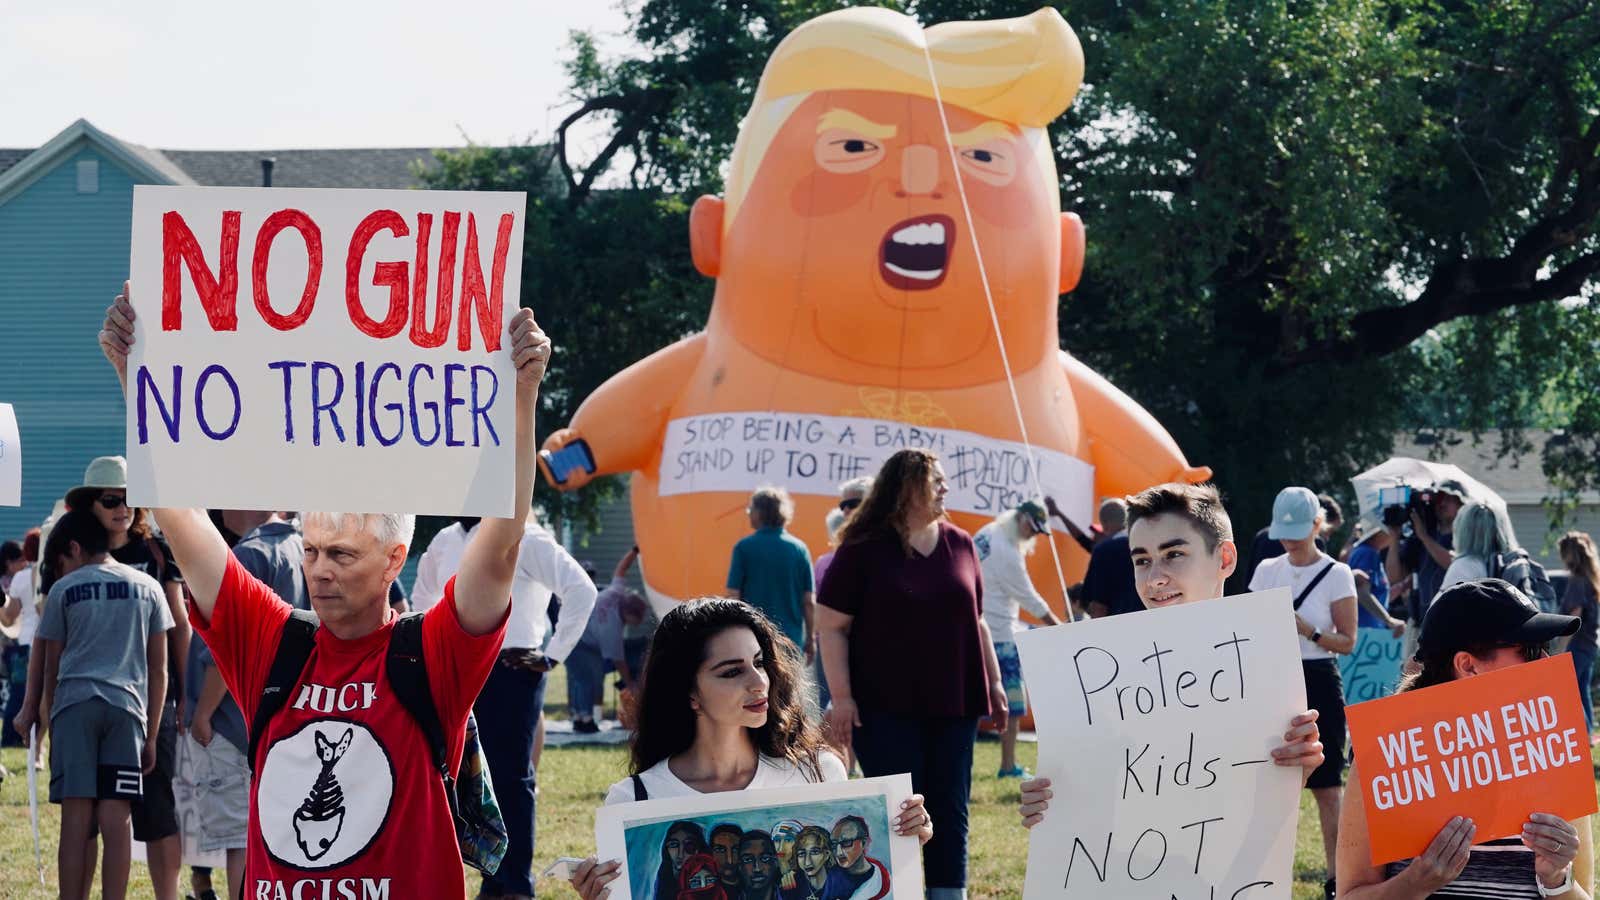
812 454
323 349
1156 730
10 458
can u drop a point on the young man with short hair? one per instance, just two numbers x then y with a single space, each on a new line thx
103 633
346 799
1181 543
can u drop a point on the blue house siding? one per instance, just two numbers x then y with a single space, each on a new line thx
63 256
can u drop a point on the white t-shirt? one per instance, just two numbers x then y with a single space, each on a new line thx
543 568
1317 610
1464 568
1006 585
660 783
22 589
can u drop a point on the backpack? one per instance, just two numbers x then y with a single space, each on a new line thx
1527 575
480 829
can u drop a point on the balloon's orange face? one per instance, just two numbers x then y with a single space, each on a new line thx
850 255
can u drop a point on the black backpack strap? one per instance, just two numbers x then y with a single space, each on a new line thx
1306 591
294 651
639 793
408 678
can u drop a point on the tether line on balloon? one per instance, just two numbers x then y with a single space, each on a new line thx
994 319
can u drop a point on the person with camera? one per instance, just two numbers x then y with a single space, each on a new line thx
1426 553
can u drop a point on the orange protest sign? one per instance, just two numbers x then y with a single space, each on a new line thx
1493 748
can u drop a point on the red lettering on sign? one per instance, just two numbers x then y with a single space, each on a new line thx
392 274
490 304
312 235
421 334
219 294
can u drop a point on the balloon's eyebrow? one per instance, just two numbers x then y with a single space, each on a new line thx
984 132
851 121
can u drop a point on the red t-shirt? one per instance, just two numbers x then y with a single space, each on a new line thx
346 801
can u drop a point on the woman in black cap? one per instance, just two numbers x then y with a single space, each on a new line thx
1474 628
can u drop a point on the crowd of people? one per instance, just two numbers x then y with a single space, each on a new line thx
325 707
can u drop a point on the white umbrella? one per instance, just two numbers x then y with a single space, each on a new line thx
1418 474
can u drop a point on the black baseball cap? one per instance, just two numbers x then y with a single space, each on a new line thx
1487 611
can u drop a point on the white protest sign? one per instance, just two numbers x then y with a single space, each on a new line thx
323 349
10 458
810 454
33 796
1156 730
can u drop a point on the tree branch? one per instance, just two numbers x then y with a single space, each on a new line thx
634 109
593 104
1456 289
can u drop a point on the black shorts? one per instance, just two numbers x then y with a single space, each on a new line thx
1325 694
155 815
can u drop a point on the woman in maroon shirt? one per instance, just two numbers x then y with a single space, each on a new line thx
908 657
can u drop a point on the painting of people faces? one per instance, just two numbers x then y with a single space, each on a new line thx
799 843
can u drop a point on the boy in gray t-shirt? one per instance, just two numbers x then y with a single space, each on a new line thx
103 635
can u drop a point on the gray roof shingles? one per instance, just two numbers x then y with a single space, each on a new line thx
10 156
353 168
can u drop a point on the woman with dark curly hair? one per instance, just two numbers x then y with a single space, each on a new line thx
721 709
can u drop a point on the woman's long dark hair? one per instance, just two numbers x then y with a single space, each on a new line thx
903 477
667 723
666 879
1439 667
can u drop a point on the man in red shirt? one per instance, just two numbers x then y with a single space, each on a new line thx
346 802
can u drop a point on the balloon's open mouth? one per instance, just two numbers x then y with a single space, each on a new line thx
915 254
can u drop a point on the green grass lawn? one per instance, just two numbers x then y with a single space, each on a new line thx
572 783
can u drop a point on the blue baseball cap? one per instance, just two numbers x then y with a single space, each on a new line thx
1294 512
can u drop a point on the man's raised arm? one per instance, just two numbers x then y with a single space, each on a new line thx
483 583
201 553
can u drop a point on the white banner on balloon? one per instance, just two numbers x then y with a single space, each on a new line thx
810 454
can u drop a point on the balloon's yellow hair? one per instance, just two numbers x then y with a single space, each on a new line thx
1022 71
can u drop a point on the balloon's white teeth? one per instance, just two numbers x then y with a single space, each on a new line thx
919 274
925 233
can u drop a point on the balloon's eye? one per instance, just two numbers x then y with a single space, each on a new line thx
842 152
994 162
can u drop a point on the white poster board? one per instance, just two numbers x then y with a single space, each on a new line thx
323 349
813 454
10 458
634 834
1156 730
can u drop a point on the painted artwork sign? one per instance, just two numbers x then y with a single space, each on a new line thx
818 840
1156 730
813 454
323 349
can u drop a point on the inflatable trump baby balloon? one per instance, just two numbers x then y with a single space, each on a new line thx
887 272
